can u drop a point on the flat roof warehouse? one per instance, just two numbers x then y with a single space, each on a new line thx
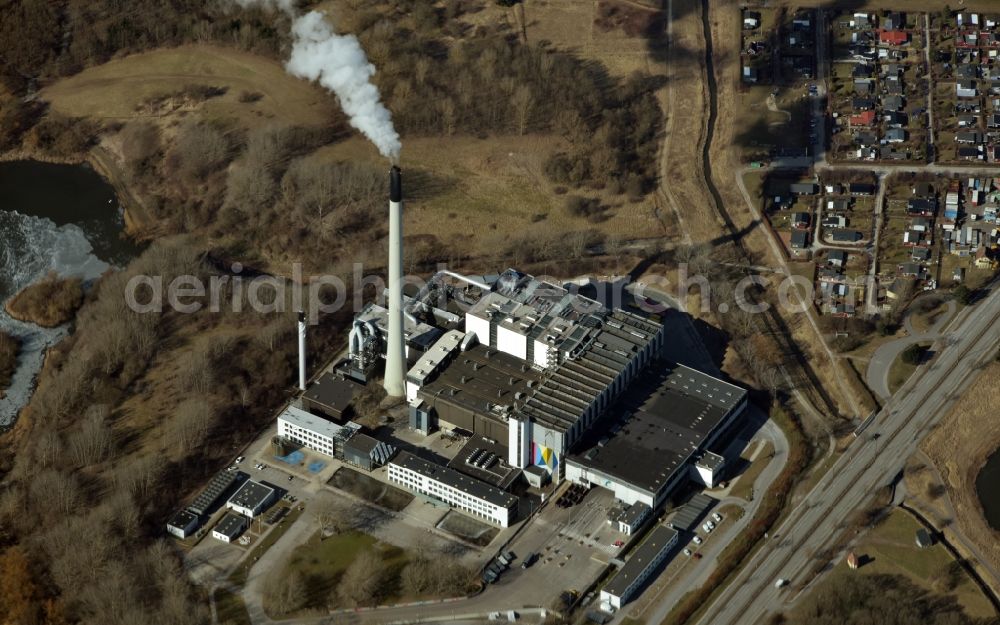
666 419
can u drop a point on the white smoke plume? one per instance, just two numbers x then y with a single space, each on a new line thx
339 64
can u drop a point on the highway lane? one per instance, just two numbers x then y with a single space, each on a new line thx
867 465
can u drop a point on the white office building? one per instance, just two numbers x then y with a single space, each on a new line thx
251 499
311 431
461 491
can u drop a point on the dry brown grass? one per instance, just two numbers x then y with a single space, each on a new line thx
50 302
959 447
117 89
8 359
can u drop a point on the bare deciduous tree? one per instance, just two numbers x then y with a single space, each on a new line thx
362 579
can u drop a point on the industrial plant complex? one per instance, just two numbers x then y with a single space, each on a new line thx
539 384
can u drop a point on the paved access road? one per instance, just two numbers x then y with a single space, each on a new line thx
872 461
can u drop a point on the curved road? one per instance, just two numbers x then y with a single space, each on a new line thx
877 374
867 465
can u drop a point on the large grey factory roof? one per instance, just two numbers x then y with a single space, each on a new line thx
215 489
573 385
652 546
666 417
421 334
454 479
480 376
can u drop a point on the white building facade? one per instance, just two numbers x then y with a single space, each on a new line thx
472 496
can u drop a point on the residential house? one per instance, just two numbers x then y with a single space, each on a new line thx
966 89
863 104
893 85
802 20
845 236
967 71
838 204
861 188
894 20
751 20
750 74
866 118
863 86
968 121
895 135
800 220
958 275
920 254
993 121
834 221
968 136
893 37
836 258
865 138
834 188
970 153
804 188
892 103
922 189
967 20
890 153
912 237
911 270
799 239
920 224
860 21
862 70
983 260
892 69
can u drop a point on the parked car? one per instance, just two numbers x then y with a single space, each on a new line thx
687 551
698 540
529 560
239 459
717 517
697 556
780 582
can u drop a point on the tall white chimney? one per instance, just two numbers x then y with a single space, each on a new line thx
302 351
395 357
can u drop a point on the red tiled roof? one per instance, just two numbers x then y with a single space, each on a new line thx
895 37
863 119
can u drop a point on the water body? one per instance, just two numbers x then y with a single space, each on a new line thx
53 218
988 489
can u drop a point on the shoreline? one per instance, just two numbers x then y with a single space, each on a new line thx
138 224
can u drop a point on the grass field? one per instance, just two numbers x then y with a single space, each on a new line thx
890 549
900 371
322 562
115 90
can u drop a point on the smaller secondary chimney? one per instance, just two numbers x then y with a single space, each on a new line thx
302 351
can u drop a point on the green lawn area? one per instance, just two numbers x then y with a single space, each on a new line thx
231 609
890 549
900 371
239 576
744 483
323 562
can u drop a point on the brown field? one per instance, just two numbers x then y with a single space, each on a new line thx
115 90
959 446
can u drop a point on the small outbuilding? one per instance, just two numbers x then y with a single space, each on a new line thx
229 527
182 524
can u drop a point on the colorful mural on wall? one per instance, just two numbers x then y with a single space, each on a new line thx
544 457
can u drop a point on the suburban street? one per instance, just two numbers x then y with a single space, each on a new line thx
871 462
